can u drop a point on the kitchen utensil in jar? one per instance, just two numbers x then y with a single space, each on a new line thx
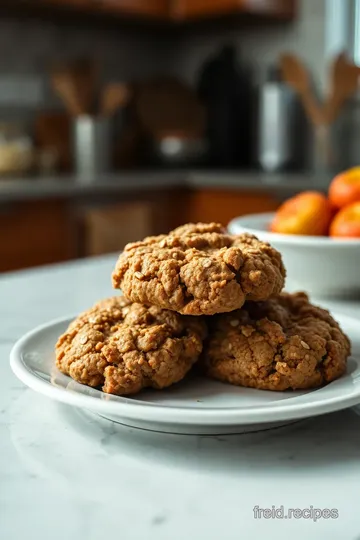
114 96
296 75
92 147
344 82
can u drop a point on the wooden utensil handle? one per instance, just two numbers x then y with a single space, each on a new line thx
333 107
312 108
324 152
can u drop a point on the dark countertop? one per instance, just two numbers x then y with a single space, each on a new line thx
284 184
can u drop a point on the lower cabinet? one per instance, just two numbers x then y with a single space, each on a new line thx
110 228
223 205
35 233
42 232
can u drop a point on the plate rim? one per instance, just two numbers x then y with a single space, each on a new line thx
151 412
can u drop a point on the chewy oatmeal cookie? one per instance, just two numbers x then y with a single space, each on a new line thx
123 346
282 343
199 269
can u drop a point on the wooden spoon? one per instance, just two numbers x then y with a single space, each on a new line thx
295 75
344 82
64 86
76 84
114 96
85 74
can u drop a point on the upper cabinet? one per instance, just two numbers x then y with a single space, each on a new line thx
147 8
174 10
179 10
196 9
82 4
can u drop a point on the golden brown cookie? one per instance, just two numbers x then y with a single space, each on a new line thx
282 343
123 346
198 269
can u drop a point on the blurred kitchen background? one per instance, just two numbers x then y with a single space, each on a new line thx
124 118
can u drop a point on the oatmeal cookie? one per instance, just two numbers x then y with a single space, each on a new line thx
199 269
123 346
282 343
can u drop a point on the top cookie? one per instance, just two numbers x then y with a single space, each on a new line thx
199 269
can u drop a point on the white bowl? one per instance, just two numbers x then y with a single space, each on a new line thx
322 266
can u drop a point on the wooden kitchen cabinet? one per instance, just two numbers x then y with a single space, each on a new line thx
147 8
138 8
79 4
107 226
223 205
110 228
35 233
142 8
195 9
175 11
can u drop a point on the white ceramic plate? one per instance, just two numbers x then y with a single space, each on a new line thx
195 406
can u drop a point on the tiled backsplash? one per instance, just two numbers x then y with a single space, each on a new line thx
29 47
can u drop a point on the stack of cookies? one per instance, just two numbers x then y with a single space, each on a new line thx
201 295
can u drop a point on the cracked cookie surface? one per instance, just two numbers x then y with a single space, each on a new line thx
123 346
282 343
199 269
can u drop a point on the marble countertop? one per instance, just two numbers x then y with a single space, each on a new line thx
66 474
69 186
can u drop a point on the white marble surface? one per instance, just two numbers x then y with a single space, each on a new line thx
67 475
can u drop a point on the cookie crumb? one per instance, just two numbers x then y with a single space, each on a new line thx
247 331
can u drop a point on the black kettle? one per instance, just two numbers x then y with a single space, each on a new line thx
224 88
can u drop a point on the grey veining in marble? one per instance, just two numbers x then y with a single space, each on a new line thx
65 473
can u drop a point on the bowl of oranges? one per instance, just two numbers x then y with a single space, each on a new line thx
318 235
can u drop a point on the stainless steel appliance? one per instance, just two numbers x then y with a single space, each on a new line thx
279 139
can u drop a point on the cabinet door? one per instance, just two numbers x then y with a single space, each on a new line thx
110 228
223 205
34 233
150 8
183 9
